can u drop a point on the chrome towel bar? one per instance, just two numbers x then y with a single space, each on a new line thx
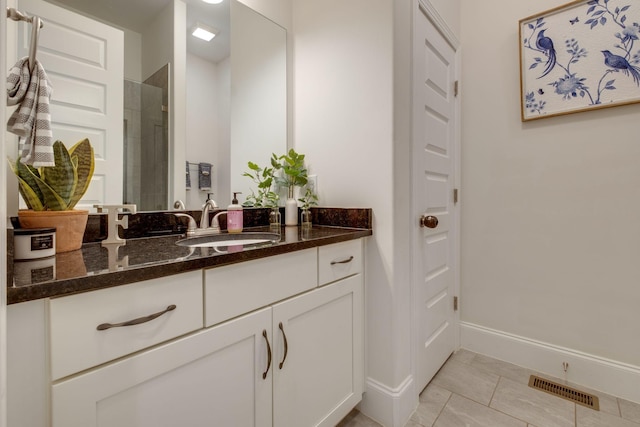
36 24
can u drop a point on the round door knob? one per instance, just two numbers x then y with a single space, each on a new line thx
428 221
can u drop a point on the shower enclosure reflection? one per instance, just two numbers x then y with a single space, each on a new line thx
146 142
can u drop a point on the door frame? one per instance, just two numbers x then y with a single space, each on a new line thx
425 7
3 236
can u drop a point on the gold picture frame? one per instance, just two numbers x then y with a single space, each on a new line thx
580 56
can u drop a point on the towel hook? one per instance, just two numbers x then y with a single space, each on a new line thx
36 24
33 47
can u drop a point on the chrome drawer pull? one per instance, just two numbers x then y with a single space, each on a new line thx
137 321
345 261
264 374
286 345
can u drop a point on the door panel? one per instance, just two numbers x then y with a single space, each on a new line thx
434 124
320 379
84 60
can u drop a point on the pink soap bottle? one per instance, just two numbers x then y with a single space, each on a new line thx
234 215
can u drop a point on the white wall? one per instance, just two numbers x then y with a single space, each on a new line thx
132 55
279 11
223 170
343 124
258 94
203 127
159 38
351 105
550 208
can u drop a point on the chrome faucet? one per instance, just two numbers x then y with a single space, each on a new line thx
193 229
204 219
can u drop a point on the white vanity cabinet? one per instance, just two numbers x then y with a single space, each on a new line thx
92 328
210 378
316 338
273 342
318 368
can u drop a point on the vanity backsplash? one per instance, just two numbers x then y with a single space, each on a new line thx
150 224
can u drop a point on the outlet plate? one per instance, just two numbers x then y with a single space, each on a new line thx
313 182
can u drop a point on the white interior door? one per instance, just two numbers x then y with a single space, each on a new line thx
84 60
434 126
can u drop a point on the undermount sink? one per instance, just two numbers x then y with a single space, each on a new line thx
229 239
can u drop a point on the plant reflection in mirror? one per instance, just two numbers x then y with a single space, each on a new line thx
264 179
59 187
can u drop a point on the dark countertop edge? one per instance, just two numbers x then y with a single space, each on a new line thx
148 272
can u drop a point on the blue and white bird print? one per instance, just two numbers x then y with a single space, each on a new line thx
585 55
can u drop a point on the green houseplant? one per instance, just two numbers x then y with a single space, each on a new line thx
286 171
294 174
265 180
310 198
266 197
51 193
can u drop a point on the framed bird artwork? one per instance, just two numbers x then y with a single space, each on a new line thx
581 56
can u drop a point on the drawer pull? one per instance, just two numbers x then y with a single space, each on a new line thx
264 374
286 345
344 261
139 320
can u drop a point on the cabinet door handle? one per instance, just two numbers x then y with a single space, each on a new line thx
264 374
344 261
139 320
286 345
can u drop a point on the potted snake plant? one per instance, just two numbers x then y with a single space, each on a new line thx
51 193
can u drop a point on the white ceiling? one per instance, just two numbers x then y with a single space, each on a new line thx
136 14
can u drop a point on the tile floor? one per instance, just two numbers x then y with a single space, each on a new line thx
472 390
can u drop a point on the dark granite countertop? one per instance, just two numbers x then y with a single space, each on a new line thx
95 267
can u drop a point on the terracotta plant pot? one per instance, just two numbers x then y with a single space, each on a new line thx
69 225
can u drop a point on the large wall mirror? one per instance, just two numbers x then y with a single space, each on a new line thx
185 102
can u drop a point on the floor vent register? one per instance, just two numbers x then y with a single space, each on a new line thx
577 396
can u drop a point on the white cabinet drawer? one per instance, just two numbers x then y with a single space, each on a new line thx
76 342
339 260
237 289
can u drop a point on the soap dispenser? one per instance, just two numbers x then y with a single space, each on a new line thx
234 215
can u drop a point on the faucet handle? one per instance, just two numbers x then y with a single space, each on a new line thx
215 224
191 228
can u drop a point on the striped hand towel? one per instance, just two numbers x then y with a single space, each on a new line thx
31 121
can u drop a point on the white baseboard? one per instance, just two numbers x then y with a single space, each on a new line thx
391 407
608 376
